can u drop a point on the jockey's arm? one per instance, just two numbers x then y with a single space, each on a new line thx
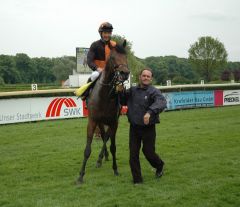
91 57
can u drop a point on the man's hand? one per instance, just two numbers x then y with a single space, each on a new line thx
119 88
146 118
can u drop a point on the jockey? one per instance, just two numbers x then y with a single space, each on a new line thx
100 50
97 56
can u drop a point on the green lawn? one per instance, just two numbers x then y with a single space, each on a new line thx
39 163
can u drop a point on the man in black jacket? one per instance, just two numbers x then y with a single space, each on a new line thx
144 102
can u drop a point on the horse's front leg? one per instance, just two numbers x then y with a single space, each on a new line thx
113 147
103 134
90 131
105 137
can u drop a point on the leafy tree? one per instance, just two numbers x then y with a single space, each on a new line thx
208 56
63 67
25 67
8 72
1 81
233 65
236 74
171 67
43 70
226 74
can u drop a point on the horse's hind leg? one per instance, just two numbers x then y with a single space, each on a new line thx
105 137
90 130
113 148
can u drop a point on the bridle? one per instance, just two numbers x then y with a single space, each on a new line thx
117 79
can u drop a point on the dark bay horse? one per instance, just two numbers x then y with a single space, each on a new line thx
104 108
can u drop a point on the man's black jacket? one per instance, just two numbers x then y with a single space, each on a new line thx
141 100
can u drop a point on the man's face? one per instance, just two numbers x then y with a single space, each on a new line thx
106 36
145 78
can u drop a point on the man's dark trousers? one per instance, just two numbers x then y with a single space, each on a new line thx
146 135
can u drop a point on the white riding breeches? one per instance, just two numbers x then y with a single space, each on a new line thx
94 75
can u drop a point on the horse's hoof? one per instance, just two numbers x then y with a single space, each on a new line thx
116 173
99 164
79 181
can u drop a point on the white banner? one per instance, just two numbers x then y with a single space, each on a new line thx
231 97
42 108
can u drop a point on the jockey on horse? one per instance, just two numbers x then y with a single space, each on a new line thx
97 56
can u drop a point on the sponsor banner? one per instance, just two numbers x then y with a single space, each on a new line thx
42 108
189 99
218 98
47 108
231 97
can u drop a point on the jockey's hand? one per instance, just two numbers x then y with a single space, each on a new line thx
99 69
146 118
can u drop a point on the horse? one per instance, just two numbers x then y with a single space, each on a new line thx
104 107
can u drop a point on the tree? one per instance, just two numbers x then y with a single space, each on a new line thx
8 71
179 70
1 81
208 56
25 67
63 67
43 70
234 67
236 74
226 74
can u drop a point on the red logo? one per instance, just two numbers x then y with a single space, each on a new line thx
55 106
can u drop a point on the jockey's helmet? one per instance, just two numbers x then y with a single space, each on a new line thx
105 27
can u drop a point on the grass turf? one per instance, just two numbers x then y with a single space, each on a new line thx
40 162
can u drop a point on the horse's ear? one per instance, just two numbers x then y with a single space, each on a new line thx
124 43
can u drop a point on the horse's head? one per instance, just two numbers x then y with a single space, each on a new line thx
118 62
